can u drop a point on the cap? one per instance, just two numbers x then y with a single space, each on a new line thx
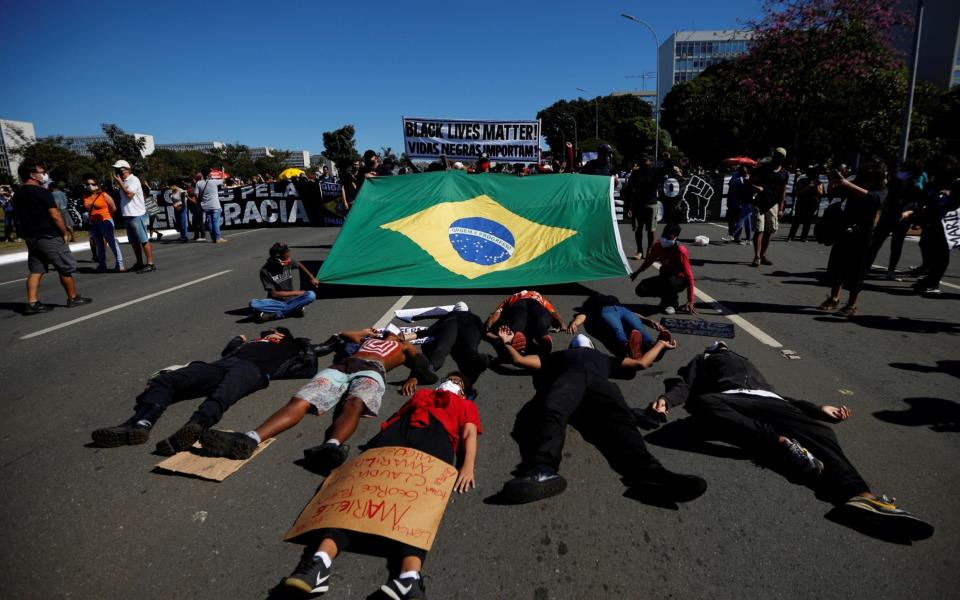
781 151
121 163
717 345
581 341
458 166
391 328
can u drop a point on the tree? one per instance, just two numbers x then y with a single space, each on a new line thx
235 159
340 147
62 163
172 165
560 121
119 145
272 164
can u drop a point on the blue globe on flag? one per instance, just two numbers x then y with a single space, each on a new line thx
481 241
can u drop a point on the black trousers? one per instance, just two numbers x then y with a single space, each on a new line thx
803 212
196 214
457 334
528 316
432 440
596 408
223 382
889 225
936 255
665 287
755 424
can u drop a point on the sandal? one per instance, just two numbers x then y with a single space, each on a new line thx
829 304
848 311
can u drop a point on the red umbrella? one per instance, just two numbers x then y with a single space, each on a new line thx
739 160
218 174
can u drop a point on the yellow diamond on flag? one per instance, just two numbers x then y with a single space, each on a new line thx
478 236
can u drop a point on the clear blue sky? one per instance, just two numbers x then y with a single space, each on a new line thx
279 74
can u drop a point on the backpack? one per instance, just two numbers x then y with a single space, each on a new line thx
828 228
301 366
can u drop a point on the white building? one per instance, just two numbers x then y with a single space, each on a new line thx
81 143
261 152
189 146
299 159
13 135
685 54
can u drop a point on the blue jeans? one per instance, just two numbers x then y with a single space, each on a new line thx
212 218
282 307
618 320
183 225
744 223
103 232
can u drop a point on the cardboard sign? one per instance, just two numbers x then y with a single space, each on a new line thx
393 492
698 327
211 468
951 229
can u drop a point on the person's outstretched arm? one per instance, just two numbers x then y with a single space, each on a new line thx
577 320
529 362
649 356
465 480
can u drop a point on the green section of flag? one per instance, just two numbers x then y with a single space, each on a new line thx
450 229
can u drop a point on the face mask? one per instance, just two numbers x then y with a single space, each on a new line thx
450 386
666 243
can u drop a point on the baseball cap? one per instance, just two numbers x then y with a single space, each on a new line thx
781 151
581 341
121 164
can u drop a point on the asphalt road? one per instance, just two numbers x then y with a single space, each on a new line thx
85 522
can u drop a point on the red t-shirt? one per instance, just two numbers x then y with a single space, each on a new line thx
673 261
448 409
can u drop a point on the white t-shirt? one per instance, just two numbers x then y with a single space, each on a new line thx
208 192
132 206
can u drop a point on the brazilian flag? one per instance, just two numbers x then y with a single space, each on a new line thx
450 229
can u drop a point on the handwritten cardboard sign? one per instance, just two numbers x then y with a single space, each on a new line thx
698 327
393 492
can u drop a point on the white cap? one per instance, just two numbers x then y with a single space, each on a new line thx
461 307
121 163
458 165
581 341
391 328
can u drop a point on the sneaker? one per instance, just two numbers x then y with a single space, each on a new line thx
666 485
327 456
765 261
100 269
883 512
848 311
931 291
755 263
182 440
407 588
519 342
743 242
268 316
801 459
78 300
128 434
670 310
727 238
310 577
222 241
148 268
637 256
538 483
33 308
330 345
892 276
119 269
136 266
828 305
159 236
299 313
633 345
546 345
228 444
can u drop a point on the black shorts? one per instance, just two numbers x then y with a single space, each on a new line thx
46 251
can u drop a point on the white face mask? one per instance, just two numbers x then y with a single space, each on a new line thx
450 386
666 243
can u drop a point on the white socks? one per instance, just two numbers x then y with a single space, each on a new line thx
253 435
429 312
333 441
410 575
324 557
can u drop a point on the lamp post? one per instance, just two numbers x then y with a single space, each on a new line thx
656 102
596 114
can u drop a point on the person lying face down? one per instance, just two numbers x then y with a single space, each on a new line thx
575 388
730 395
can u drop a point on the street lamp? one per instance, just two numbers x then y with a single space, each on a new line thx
596 114
656 103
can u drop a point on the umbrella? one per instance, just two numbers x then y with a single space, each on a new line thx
739 160
218 174
291 173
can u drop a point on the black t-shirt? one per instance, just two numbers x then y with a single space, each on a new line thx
860 214
598 166
597 302
32 204
643 187
277 276
772 182
267 354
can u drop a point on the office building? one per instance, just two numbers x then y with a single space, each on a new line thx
939 57
685 54
298 159
191 146
13 135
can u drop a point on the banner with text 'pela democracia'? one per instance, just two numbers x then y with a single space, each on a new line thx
501 141
449 229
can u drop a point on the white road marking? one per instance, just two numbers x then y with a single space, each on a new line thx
119 306
744 324
14 281
388 316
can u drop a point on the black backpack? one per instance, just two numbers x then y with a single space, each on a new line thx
302 365
830 225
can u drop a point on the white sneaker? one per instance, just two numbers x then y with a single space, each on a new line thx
670 310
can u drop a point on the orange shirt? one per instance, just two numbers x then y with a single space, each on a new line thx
527 295
97 205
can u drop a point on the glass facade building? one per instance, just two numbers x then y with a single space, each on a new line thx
685 54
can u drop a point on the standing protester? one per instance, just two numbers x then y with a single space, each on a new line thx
850 251
63 203
276 275
770 182
9 221
134 211
675 273
740 206
153 209
181 210
906 191
208 194
640 194
806 201
942 197
41 226
100 208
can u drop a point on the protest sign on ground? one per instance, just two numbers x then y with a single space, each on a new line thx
698 327
212 468
454 230
393 492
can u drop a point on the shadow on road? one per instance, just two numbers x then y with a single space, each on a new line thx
940 415
950 367
904 324
687 435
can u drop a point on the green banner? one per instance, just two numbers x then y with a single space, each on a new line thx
449 229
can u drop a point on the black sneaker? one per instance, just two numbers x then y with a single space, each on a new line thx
538 483
330 345
229 444
268 316
883 513
33 308
78 300
299 313
128 434
407 588
327 457
148 268
181 440
801 459
136 266
667 485
310 577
